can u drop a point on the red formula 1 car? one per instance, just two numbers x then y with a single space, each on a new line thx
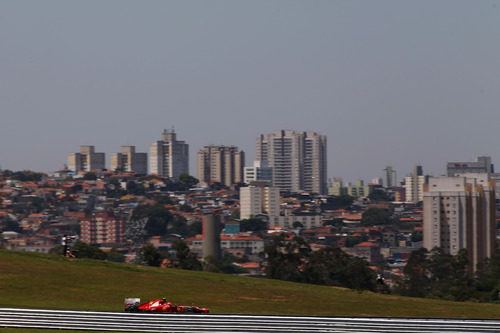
160 306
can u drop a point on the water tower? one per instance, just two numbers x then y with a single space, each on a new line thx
211 236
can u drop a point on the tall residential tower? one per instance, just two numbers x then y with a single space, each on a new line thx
222 164
414 185
86 160
128 160
298 160
389 177
459 213
169 157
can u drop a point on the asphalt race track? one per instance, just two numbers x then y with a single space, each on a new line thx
185 323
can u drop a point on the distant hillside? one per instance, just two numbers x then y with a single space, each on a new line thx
30 280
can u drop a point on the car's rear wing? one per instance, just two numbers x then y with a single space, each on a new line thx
129 302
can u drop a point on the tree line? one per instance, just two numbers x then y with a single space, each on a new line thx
292 259
436 274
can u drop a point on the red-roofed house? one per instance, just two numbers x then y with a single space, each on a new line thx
253 268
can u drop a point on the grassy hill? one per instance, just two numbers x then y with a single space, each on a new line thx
29 280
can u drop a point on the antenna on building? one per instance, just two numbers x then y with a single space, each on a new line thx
173 129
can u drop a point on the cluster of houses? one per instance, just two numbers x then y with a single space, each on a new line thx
35 214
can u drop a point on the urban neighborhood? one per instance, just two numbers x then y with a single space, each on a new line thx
281 217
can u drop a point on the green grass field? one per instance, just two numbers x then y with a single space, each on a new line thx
29 280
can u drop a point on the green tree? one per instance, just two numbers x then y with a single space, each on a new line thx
11 225
90 176
114 189
84 250
375 216
212 264
156 216
223 265
38 204
75 189
379 195
284 258
332 266
360 275
184 259
135 188
416 280
337 202
440 266
488 278
195 228
188 180
149 255
327 266
115 256
253 224
351 241
235 214
449 275
163 200
336 223
181 227
25 176
178 225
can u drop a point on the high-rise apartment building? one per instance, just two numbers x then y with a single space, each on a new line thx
414 185
221 164
459 213
169 157
257 200
298 160
102 229
86 160
389 177
130 161
260 171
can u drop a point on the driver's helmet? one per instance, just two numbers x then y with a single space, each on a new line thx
164 299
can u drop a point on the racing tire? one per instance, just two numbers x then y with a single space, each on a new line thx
132 308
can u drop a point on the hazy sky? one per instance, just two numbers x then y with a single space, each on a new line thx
388 82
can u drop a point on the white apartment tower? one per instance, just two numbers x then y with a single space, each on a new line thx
130 161
459 212
222 164
169 157
414 185
86 160
298 160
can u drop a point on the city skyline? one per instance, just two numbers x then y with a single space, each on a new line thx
388 83
109 160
